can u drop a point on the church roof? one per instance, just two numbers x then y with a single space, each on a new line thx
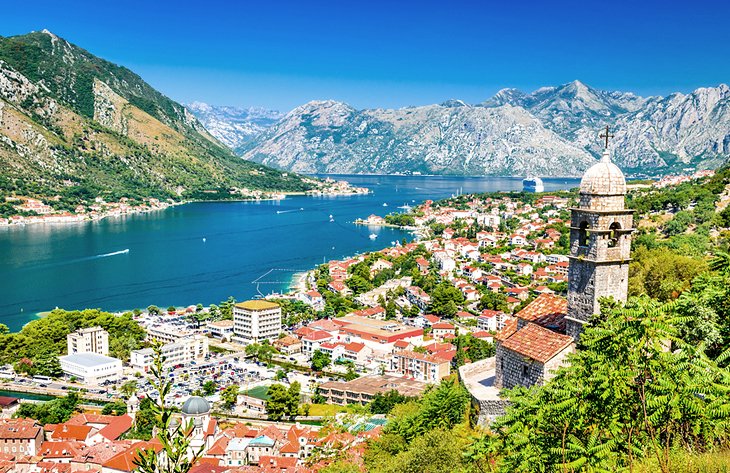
547 310
537 343
195 405
603 178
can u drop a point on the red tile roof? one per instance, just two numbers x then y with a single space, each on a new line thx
19 429
117 427
354 347
317 335
71 432
509 328
64 449
547 310
481 334
125 461
442 326
537 343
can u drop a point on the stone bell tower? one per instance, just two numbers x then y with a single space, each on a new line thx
600 243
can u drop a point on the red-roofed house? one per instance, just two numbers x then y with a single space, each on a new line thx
441 329
20 436
420 366
79 433
314 340
358 353
529 350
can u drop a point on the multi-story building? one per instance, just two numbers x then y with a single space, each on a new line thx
363 390
221 329
178 353
421 366
88 340
20 437
255 321
167 333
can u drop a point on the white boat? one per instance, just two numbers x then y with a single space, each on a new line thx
384 204
332 219
532 184
373 236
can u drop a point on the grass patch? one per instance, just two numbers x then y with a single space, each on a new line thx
327 409
684 462
259 392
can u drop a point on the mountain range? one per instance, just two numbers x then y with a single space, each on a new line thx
234 126
75 125
553 131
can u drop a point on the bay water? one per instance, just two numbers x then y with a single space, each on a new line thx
204 252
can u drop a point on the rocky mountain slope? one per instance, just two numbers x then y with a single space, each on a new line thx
552 131
233 126
72 124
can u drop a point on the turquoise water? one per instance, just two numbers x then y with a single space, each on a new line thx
204 252
19 395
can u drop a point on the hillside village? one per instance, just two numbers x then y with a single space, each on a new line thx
480 297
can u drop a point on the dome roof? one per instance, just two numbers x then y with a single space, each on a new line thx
603 178
195 405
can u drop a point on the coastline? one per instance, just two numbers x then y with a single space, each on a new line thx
75 218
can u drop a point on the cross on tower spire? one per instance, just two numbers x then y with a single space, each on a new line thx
606 135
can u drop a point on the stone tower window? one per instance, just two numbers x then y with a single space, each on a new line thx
614 234
583 234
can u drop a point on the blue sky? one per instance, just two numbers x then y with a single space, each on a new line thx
279 54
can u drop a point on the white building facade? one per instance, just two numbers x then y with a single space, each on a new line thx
178 353
256 321
91 368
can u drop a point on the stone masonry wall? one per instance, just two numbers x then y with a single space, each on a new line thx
517 370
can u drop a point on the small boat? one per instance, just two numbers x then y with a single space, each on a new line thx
204 240
332 219
384 204
373 236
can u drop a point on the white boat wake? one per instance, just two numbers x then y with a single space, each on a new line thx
113 253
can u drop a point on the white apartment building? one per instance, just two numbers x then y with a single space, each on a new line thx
255 321
91 368
88 340
178 353
167 333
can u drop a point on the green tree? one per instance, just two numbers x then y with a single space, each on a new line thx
278 402
229 396
624 396
320 360
226 308
494 301
383 403
263 352
116 408
209 387
292 401
51 412
446 299
128 388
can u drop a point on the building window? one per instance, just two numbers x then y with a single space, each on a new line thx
583 234
524 371
613 236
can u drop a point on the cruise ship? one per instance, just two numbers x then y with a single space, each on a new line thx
532 184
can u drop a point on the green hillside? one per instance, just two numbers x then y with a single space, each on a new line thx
75 125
